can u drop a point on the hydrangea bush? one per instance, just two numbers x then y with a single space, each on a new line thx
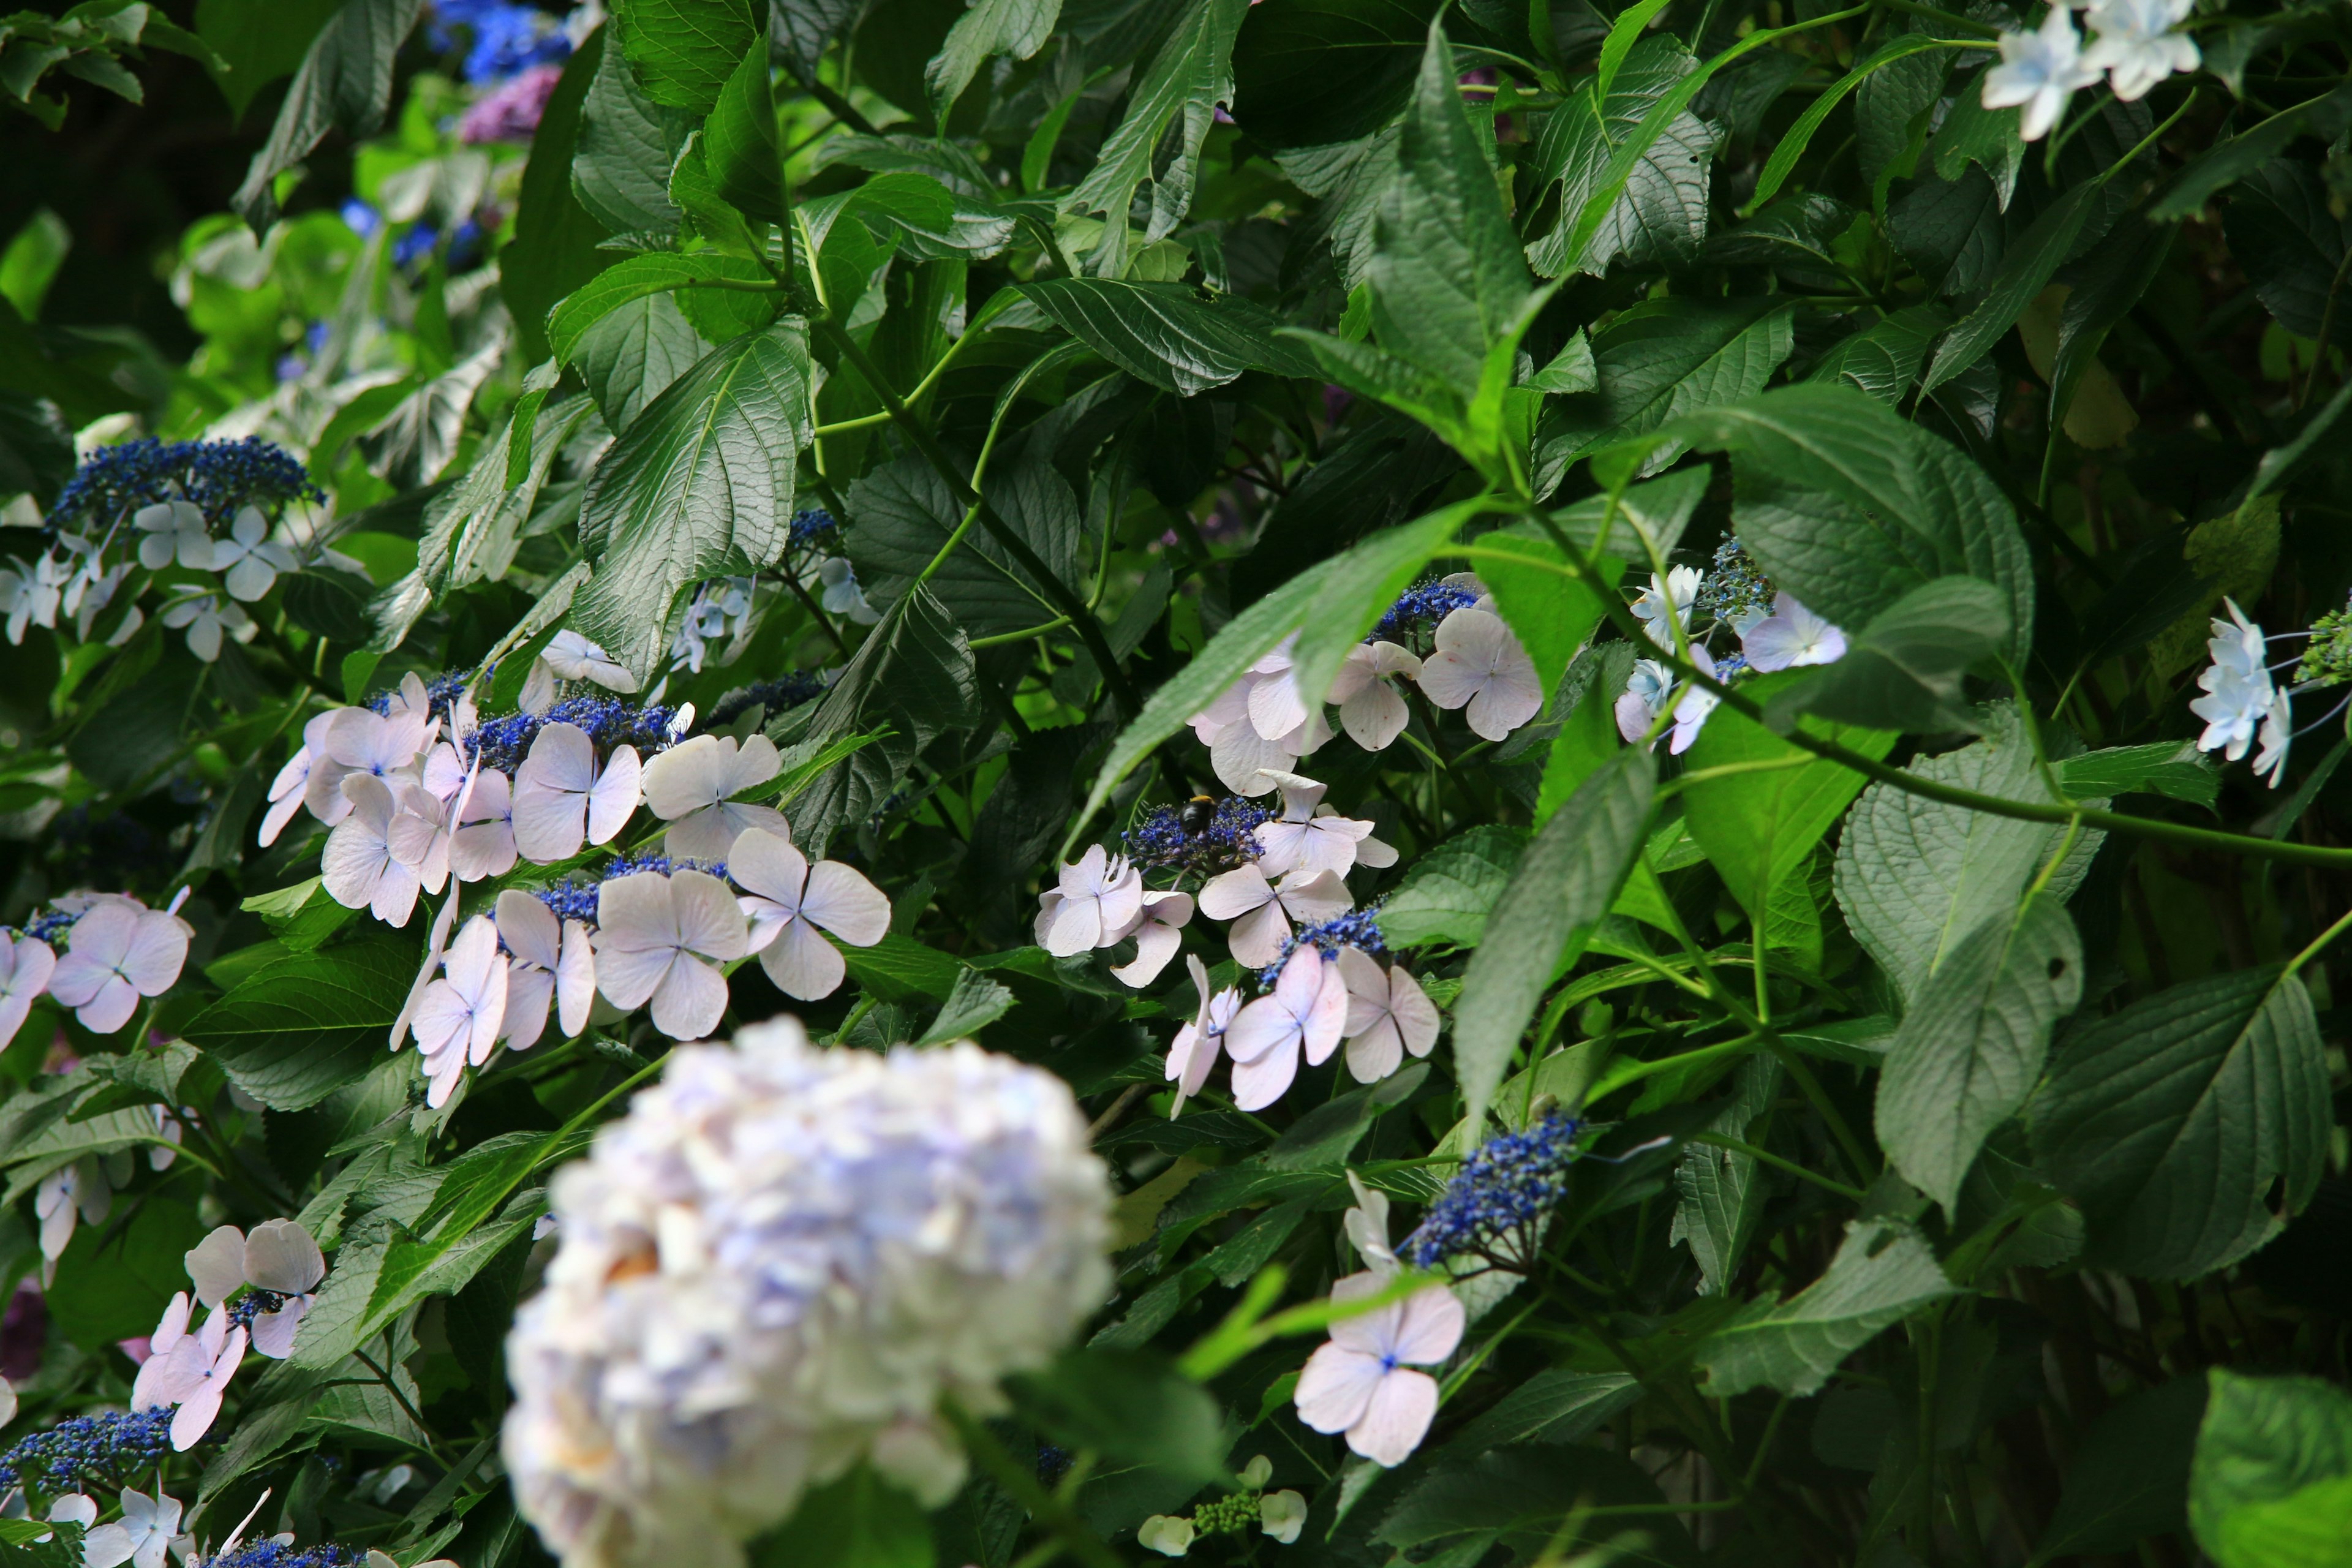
1367 785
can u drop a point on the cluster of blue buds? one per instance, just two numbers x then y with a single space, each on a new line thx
441 693
255 1302
1491 1208
1197 837
221 478
1423 605
505 38
787 691
503 743
1358 928
575 898
1735 590
813 525
49 926
270 1552
106 1449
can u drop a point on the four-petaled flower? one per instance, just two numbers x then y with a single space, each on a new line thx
249 557
689 787
119 953
1262 910
1097 896
1362 1382
572 657
1791 637
1387 1014
562 799
1480 668
787 901
459 1019
142 1537
656 939
1307 1010
1371 710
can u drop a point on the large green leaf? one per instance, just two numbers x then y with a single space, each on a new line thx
1448 281
1308 73
304 1026
2128 1476
344 84
683 51
1174 99
1451 890
701 486
2026 271
1915 876
1970 1045
1015 27
1564 884
1848 506
1660 359
631 355
1719 1194
1659 215
257 41
2190 1124
626 147
2270 1486
635 277
553 250
1882 1274
902 516
2284 229
1166 334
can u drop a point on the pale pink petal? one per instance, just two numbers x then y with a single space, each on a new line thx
1320 1028
628 977
528 928
1311 900
1449 680
1510 698
529 990
803 963
1373 1332
1336 1387
1155 945
547 823
1259 1084
710 922
1429 1327
1276 707
635 912
1416 1016
846 904
707 835
576 979
217 1264
1398 1417
1282 847
273 1333
1241 759
1234 893
1374 717
1375 1052
1255 940
489 1014
614 794
689 776
1077 927
280 1256
1260 1027
690 999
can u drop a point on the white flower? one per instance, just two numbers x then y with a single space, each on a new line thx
535 973
1262 910
1371 710
1307 1009
140 1537
2278 734
1792 637
26 965
67 1196
687 786
1299 840
1171 1535
562 799
1256 1473
779 1262
842 596
653 935
2237 684
1367 1226
716 604
1159 931
251 560
787 901
208 618
280 1256
458 1021
28 596
291 787
2136 44
1643 699
1679 591
118 954
358 867
1245 762
1387 1014
73 1508
2039 70
1096 899
1230 708
1695 703
1282 1515
191 1370
176 532
1194 1050
380 746
1361 1383
484 843
574 658
1480 668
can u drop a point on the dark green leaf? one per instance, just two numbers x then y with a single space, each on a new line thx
308 1023
344 84
682 51
1166 334
626 145
631 355
1883 1273
2024 272
1656 212
635 279
1903 671
2128 1476
1129 1407
857 1522
553 250
1660 359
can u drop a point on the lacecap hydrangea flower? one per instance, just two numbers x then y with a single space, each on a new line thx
780 1261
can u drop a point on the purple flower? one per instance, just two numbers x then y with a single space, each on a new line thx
511 111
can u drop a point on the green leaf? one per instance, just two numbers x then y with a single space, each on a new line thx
1971 1047
1759 828
2222 167
308 1023
257 41
1129 1407
2128 1474
628 144
2270 1486
333 604
1308 73
857 1522
1448 280
934 216
2173 768
2171 1122
344 84
635 279
739 140
683 51
631 356
1449 891
1660 359
1792 144
1848 506
2024 272
1188 79
2285 231
974 1004
1529 1493
1563 886
1634 180
1015 27
1719 1194
1552 614
1901 671
1557 1405
553 250
701 486
1166 334
1915 876
1882 1274
1883 360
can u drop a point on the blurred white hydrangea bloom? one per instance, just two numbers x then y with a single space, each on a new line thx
778 1263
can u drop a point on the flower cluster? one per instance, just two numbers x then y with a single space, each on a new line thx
786 692
441 694
512 110
504 38
1281 1514
2327 658
812 526
119 953
1201 836
2241 698
1260 727
272 1552
1491 1208
258 1288
2135 47
1101 901
219 479
105 1449
1419 607
721 608
505 742
1736 591
1775 633
1358 930
779 1262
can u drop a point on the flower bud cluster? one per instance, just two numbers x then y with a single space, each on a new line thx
1491 1208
